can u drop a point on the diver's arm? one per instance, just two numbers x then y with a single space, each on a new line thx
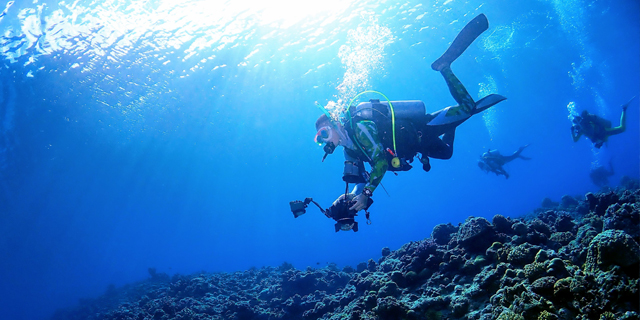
367 135
575 134
358 188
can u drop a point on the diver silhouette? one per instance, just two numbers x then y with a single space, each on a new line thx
389 134
493 161
598 129
600 175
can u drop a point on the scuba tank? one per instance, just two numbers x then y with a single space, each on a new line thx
400 139
413 110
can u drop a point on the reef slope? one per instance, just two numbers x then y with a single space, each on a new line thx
578 259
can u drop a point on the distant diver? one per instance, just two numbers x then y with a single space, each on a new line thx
600 175
389 134
492 161
597 129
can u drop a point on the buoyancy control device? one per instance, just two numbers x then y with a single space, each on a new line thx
408 115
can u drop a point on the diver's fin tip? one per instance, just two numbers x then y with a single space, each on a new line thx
482 21
488 102
463 40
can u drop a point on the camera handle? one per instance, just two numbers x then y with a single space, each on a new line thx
309 200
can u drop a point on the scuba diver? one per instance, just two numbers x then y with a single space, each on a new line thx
389 134
597 129
492 161
600 175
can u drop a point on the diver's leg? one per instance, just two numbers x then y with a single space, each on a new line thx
439 149
517 155
621 127
458 91
448 138
463 40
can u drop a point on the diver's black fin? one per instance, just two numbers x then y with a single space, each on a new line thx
487 102
469 33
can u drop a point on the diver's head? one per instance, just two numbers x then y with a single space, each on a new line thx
327 133
323 121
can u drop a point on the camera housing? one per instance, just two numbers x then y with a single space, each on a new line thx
346 225
345 217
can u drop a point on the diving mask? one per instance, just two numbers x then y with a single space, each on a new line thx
324 135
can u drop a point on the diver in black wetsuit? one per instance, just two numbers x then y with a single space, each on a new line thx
372 132
492 161
597 129
389 134
600 175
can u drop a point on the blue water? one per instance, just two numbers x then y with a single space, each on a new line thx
173 134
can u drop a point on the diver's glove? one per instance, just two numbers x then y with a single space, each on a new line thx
361 200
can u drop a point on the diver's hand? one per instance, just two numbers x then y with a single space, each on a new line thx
343 197
361 202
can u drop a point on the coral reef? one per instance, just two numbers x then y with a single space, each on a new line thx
577 259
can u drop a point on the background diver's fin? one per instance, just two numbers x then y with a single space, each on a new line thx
487 102
624 106
469 33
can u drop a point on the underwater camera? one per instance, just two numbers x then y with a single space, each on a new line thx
345 217
339 211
